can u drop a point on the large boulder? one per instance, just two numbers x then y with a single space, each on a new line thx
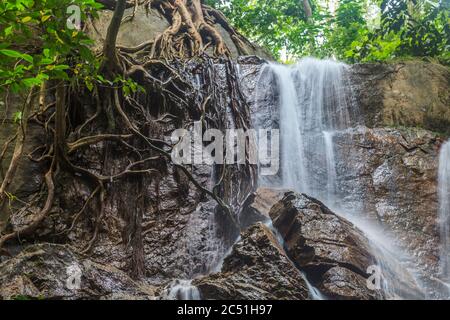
335 255
50 271
256 269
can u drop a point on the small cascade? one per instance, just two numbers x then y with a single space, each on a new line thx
444 213
182 290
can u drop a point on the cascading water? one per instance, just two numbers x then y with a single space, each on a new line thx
444 213
182 290
316 102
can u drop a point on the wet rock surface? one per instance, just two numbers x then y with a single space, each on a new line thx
257 268
389 176
333 253
386 166
257 206
50 271
179 234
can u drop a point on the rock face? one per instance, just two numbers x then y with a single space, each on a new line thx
257 206
257 268
390 177
332 252
29 176
50 271
178 231
411 94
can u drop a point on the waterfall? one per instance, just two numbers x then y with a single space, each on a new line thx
444 212
315 100
316 103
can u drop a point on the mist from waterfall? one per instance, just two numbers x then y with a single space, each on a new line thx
444 212
316 103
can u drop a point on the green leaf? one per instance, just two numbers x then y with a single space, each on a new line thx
45 61
8 31
45 18
30 82
17 116
26 19
61 67
27 58
89 85
11 53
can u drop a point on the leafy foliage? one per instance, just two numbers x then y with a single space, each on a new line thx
276 24
415 28
356 30
36 43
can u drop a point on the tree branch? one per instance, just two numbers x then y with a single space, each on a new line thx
110 61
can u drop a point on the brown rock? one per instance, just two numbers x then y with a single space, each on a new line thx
258 205
342 283
335 255
411 93
316 238
390 177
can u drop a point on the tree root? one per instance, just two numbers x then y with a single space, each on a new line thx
189 34
17 154
29 229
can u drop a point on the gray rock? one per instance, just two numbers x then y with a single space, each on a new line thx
317 240
147 25
256 269
50 271
257 206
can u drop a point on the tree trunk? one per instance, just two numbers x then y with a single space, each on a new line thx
308 10
111 61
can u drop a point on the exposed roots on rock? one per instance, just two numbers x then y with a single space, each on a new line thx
131 125
189 34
